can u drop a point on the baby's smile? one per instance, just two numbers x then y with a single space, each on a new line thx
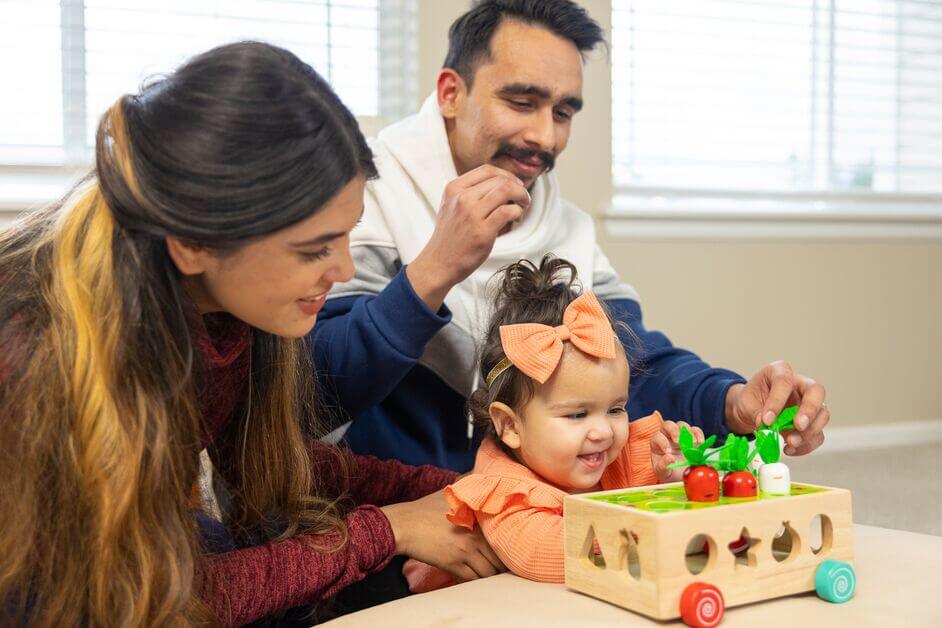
594 460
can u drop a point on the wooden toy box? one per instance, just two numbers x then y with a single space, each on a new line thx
632 547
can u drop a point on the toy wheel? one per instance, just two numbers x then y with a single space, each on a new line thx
835 581
701 605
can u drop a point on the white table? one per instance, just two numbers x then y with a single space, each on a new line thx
899 583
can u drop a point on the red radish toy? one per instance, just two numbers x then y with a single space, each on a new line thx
701 480
702 483
740 484
735 459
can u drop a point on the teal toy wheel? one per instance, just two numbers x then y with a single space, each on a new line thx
835 581
702 605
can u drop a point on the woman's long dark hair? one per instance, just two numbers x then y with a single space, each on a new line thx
99 418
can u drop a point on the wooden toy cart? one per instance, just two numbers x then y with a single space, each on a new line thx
652 552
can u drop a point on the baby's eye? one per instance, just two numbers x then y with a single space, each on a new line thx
617 410
579 415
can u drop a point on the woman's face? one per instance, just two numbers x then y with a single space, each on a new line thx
278 283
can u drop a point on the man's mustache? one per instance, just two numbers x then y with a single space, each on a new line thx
526 154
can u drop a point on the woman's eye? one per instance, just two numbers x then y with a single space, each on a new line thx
316 255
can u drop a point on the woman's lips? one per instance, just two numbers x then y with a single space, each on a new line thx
312 305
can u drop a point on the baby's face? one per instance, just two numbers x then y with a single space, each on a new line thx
576 425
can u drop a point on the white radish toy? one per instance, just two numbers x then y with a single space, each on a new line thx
774 477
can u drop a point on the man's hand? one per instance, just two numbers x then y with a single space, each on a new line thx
665 450
475 209
772 389
422 532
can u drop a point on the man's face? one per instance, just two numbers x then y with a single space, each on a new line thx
518 113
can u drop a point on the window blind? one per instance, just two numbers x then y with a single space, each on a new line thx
64 62
757 98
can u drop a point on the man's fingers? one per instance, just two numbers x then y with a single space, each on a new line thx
502 216
812 401
781 389
501 192
796 439
807 445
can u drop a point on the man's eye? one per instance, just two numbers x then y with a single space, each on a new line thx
520 103
563 115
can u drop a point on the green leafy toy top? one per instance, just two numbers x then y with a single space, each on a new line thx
767 437
694 455
735 456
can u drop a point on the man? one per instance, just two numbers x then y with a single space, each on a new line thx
466 187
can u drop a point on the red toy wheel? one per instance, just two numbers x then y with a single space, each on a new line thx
701 605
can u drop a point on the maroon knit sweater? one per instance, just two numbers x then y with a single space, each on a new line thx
250 583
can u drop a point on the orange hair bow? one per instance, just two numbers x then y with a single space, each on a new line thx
536 349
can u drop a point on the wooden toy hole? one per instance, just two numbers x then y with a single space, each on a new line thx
592 550
786 543
821 534
742 549
629 554
700 553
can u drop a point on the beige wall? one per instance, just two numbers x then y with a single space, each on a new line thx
862 317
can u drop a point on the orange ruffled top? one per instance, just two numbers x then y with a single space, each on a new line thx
521 515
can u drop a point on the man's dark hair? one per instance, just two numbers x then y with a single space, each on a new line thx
469 38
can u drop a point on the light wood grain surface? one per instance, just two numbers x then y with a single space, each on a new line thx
898 584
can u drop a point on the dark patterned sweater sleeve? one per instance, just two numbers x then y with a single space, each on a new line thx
247 584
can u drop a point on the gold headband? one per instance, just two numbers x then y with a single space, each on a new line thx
495 372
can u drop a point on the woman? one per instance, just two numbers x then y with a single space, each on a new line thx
159 309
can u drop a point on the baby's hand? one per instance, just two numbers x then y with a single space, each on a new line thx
665 450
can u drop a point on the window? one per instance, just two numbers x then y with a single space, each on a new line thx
772 104
64 62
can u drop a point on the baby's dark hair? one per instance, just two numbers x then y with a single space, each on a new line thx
527 294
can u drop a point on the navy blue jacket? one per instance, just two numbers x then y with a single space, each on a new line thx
367 349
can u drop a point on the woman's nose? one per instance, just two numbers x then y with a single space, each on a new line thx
344 269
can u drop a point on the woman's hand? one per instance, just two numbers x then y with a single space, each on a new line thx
665 450
422 532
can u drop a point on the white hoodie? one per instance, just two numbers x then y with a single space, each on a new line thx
415 164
